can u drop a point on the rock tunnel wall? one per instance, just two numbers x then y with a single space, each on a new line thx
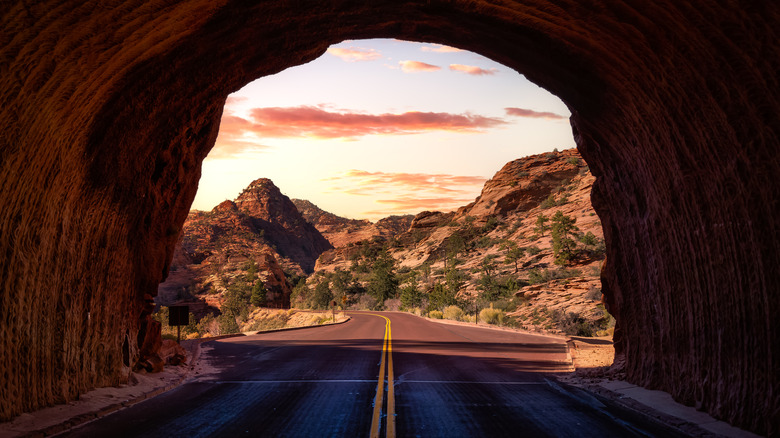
106 112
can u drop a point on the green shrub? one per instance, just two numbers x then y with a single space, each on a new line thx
533 250
492 316
435 314
453 313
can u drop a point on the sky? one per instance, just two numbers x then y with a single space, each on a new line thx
381 127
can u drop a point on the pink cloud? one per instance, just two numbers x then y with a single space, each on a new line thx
522 112
233 99
438 48
472 70
417 66
232 139
354 54
403 193
318 122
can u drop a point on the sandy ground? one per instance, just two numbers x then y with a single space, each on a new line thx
591 354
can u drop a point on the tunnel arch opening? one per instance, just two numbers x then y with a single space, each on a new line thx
465 110
645 117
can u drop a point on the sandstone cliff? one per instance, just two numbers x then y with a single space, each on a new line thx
504 216
262 227
342 231
107 113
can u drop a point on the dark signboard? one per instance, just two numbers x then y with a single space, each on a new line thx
178 315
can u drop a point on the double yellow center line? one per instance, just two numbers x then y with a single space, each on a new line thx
387 358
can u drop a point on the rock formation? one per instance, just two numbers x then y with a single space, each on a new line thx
107 112
282 224
342 231
261 227
505 211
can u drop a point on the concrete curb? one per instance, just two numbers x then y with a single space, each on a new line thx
662 411
286 329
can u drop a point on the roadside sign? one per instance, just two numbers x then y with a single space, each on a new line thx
178 315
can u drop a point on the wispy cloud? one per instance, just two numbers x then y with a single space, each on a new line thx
235 135
417 66
472 70
440 49
322 123
355 54
402 193
522 112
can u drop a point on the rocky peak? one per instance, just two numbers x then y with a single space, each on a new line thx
524 183
341 231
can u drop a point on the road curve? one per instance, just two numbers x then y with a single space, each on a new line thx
434 380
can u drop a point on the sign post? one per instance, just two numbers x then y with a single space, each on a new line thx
333 310
178 316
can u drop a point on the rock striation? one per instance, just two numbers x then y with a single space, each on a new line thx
260 227
107 112
281 223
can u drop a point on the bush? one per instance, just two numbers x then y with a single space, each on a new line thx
492 316
533 250
453 313
572 323
435 314
594 294
367 302
392 304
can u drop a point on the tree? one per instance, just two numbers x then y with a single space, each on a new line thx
562 230
455 245
259 294
513 254
541 224
454 279
339 282
491 290
488 265
251 271
300 294
236 301
227 324
322 295
383 283
411 296
440 296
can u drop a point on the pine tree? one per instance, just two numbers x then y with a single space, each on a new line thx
541 224
562 230
259 294
322 295
383 283
411 296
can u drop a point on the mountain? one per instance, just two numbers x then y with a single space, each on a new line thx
489 252
474 245
262 227
342 231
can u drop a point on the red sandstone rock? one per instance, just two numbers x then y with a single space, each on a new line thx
172 353
107 113
341 231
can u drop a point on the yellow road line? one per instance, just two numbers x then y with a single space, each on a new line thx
390 386
376 420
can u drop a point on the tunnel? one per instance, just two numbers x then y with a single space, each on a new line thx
107 111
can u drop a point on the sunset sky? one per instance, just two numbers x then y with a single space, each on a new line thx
381 127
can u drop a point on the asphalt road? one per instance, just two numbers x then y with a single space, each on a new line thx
380 374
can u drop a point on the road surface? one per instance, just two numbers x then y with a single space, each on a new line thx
380 374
